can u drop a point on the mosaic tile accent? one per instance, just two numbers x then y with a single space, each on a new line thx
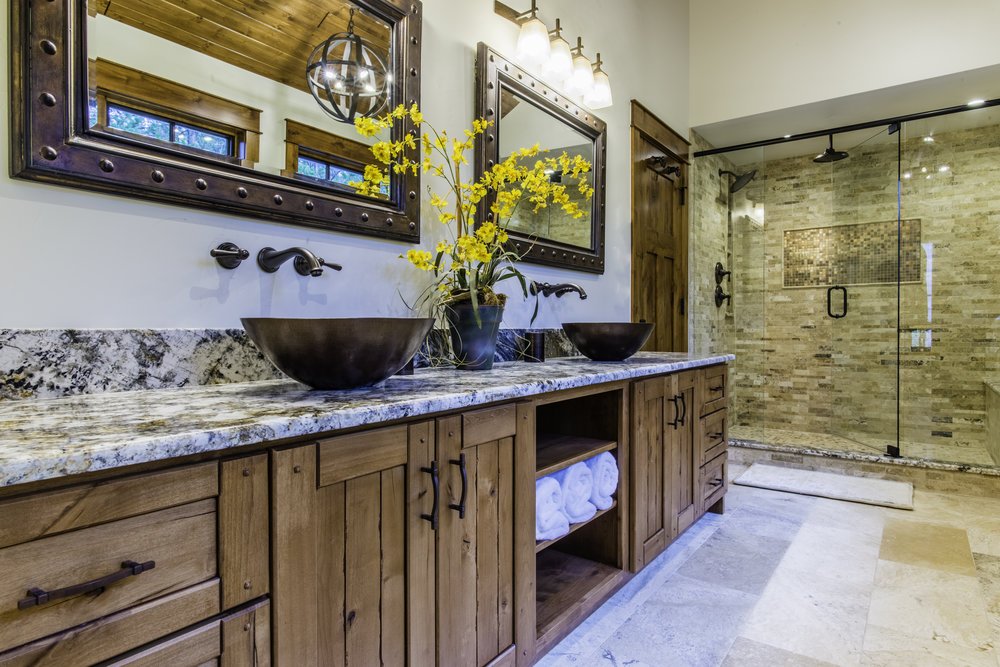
861 254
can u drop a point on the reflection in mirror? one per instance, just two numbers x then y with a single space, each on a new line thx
524 124
207 79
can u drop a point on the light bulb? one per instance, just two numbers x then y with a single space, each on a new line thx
533 42
599 95
582 79
559 66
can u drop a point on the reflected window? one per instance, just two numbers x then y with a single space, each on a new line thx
319 155
164 112
152 126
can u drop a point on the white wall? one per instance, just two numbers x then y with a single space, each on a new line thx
753 57
76 259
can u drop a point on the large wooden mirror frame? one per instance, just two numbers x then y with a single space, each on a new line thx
496 76
50 141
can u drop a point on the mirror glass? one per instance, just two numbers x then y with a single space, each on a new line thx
226 81
523 124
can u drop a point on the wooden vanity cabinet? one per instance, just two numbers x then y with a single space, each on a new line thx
395 546
678 456
109 570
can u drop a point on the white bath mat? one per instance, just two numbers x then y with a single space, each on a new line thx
871 491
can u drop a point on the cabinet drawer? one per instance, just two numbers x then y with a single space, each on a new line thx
714 481
713 438
713 389
124 631
84 574
198 647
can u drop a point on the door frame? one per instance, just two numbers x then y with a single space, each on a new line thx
646 126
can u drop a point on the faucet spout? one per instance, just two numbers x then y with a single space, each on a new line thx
306 263
548 289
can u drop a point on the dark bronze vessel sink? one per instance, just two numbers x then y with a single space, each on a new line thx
608 341
338 353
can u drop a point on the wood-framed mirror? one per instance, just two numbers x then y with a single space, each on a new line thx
205 103
524 111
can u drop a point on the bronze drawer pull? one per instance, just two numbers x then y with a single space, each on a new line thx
37 596
436 483
460 507
721 387
715 436
716 482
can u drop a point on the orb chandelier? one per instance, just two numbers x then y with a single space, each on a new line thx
347 77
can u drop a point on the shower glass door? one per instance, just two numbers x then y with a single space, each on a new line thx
857 309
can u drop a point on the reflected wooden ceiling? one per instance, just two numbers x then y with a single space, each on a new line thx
272 39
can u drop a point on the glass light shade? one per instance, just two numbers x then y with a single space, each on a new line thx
582 79
559 66
600 93
533 42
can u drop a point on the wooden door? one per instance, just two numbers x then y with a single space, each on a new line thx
659 231
652 522
475 547
682 461
353 559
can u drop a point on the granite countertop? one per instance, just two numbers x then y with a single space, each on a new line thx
49 438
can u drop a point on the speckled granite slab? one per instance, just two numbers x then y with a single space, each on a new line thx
48 363
48 438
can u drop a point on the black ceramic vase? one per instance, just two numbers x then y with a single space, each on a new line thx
474 343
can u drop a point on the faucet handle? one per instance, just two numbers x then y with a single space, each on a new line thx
303 269
229 255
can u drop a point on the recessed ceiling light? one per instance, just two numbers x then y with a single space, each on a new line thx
928 139
976 103
923 170
907 174
943 168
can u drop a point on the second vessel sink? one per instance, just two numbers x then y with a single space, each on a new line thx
608 341
338 353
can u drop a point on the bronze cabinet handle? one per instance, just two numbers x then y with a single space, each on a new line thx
684 413
129 568
717 389
715 436
436 483
460 507
677 411
716 482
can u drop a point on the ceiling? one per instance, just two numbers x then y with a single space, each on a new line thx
267 37
926 95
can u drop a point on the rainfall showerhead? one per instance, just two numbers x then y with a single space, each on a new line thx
830 155
741 179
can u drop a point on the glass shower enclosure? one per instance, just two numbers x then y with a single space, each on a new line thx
865 310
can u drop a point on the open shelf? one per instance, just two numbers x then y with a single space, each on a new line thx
567 588
556 452
575 527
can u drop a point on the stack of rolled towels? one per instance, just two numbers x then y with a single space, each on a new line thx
574 495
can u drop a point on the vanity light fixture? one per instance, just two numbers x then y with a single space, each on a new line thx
581 81
533 39
599 95
347 77
559 66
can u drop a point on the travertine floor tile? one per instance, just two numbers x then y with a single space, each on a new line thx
805 612
748 653
927 545
988 567
886 648
689 625
737 559
923 604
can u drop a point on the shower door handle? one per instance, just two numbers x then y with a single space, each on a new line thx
829 302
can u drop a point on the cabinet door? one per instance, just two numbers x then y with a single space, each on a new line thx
683 464
353 573
652 523
476 539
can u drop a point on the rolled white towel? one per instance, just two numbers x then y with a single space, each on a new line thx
550 521
577 483
604 468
